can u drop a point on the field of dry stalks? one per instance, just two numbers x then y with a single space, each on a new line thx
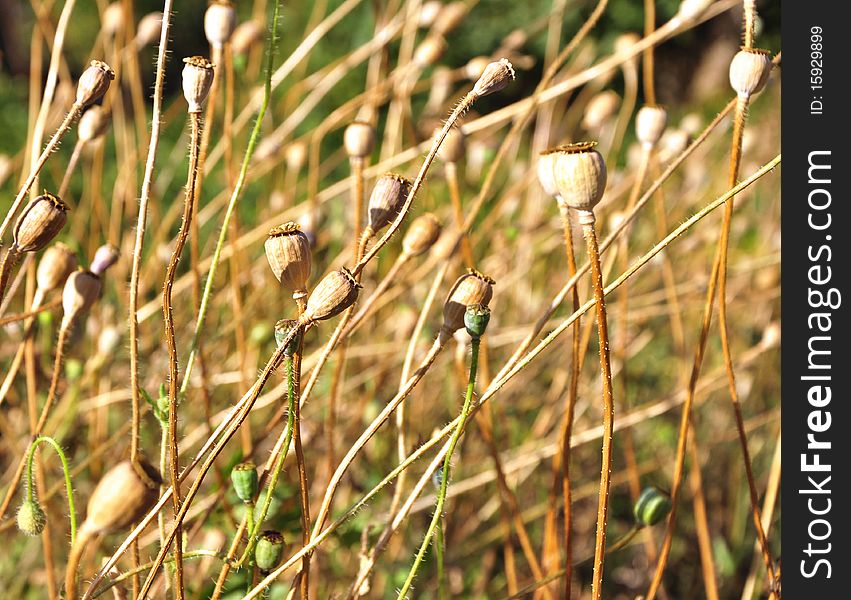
392 299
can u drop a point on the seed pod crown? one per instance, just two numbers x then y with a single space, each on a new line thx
749 71
94 82
495 77
579 172
289 255
197 80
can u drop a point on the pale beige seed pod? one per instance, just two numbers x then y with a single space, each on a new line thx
105 257
546 173
602 107
289 255
692 9
454 145
334 293
450 17
428 13
674 143
112 20
625 41
296 156
429 51
495 77
40 222
219 22
149 29
246 35
387 198
121 498
93 123
749 71
650 124
359 139
55 266
421 235
197 79
580 175
93 83
471 288
81 291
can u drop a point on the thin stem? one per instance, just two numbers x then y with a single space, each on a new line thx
303 486
447 461
647 55
69 170
31 313
7 265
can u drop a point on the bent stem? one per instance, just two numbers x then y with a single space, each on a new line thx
66 471
444 480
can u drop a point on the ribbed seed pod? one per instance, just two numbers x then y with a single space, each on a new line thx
650 124
335 292
149 29
245 481
121 497
289 255
54 267
246 35
269 550
94 82
450 17
471 288
430 50
546 173
219 22
197 80
93 123
602 107
421 235
105 256
40 222
749 71
495 77
387 198
652 506
359 139
81 290
476 319
580 175
454 145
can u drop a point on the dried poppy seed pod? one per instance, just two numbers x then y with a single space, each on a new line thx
476 319
580 175
282 330
149 29
93 83
112 20
546 173
450 17
245 481
471 288
121 497
105 256
289 256
245 36
428 13
652 506
219 22
197 80
430 50
31 518
749 71
92 124
421 235
650 124
42 220
334 293
359 139
81 290
600 109
387 198
57 263
269 550
495 77
296 156
454 145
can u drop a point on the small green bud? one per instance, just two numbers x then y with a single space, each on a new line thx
31 518
476 319
269 549
282 329
652 506
245 481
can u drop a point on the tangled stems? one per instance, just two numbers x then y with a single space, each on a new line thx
444 479
66 471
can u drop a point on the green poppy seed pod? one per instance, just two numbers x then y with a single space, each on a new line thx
692 9
245 481
650 124
602 107
105 257
359 139
546 173
289 255
121 497
652 506
471 288
219 22
282 329
495 77
58 262
149 29
387 198
31 518
269 550
94 82
40 222
749 71
421 235
246 35
430 50
334 293
197 81
476 319
93 124
449 17
81 290
454 145
580 175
